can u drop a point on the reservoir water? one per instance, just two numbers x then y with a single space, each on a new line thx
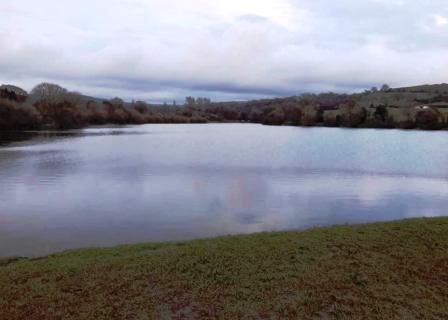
119 185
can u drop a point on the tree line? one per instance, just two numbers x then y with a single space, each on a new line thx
50 106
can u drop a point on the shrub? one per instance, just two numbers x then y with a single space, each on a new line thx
141 107
18 117
61 115
275 117
428 120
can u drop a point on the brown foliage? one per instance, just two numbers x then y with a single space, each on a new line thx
275 117
17 117
61 115
141 107
428 120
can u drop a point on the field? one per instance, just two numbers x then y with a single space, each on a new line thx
396 270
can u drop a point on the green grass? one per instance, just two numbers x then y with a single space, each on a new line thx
396 270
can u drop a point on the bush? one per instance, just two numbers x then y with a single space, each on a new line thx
428 120
141 107
275 117
61 115
18 117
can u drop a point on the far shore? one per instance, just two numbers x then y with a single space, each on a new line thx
51 107
391 270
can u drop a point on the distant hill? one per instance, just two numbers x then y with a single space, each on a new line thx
426 88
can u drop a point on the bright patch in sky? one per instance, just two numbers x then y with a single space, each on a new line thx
440 20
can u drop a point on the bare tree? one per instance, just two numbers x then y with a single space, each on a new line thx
49 92
73 97
118 102
190 102
202 101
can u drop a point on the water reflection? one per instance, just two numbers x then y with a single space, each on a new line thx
172 182
7 137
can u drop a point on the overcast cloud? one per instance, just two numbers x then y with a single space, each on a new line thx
226 49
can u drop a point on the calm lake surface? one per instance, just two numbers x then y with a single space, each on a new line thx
108 186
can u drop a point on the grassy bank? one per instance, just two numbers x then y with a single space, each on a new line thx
395 270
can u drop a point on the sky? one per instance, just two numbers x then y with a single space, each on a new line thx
223 49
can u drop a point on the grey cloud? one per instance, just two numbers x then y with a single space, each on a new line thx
224 49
